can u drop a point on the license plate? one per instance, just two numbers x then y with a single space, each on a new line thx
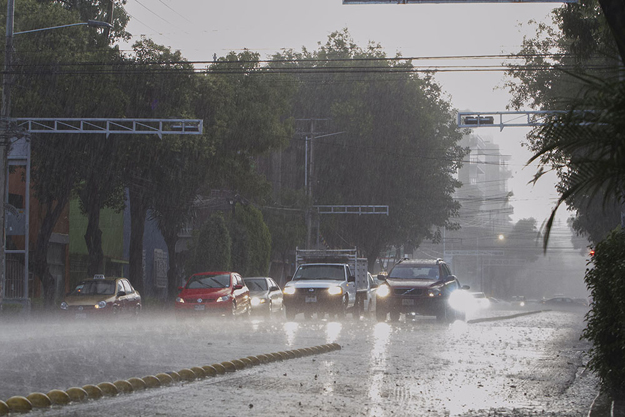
407 302
81 315
311 299
199 308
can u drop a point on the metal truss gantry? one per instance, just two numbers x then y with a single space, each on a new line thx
158 127
19 155
355 209
503 119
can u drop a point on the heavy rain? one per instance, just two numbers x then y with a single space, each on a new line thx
339 207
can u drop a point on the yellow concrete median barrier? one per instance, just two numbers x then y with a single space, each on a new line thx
229 366
138 384
108 389
19 404
123 386
175 376
254 360
95 393
263 358
59 397
219 368
199 372
164 378
247 361
238 364
4 408
209 370
186 374
77 394
39 400
151 381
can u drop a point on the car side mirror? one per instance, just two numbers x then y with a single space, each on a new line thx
180 288
382 277
238 286
465 287
351 278
274 288
121 293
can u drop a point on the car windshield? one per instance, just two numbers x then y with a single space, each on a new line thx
94 287
415 272
310 272
256 284
209 281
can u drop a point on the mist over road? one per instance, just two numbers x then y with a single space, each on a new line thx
519 366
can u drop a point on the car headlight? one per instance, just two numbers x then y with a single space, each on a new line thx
257 301
289 290
64 306
383 290
224 298
435 292
180 300
335 290
101 304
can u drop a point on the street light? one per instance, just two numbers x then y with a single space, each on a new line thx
5 122
90 23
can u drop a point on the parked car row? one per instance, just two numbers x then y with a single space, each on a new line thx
424 287
206 293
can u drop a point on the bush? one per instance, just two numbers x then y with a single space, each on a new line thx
211 246
605 329
251 241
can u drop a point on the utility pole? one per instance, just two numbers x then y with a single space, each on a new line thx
5 135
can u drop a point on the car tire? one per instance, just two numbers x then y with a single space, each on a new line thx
447 315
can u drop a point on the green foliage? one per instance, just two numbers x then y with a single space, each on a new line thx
391 141
251 241
568 66
286 222
246 114
586 146
211 247
606 319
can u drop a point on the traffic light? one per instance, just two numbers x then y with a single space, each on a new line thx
592 253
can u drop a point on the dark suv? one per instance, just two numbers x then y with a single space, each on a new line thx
420 286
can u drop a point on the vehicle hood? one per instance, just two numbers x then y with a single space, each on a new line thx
204 292
412 283
86 300
314 283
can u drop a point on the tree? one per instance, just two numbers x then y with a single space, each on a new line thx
395 143
210 249
251 241
586 60
287 225
158 84
50 85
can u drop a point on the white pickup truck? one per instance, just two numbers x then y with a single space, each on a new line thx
326 282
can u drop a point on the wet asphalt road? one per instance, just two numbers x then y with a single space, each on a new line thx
520 366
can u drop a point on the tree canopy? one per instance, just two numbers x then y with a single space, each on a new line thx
391 140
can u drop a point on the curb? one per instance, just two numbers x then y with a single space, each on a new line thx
512 316
19 404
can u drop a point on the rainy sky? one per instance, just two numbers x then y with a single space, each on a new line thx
201 29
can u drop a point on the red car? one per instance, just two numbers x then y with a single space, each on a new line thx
213 293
